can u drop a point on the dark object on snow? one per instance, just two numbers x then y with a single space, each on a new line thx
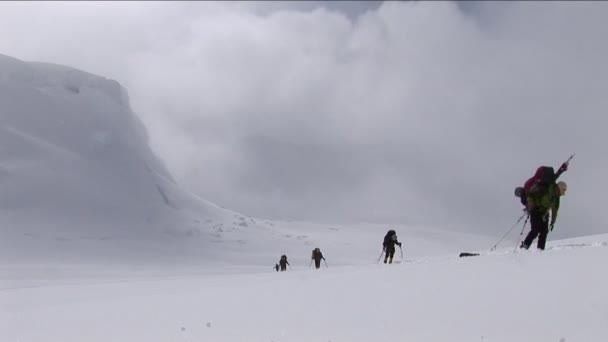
466 254
388 245
276 267
74 89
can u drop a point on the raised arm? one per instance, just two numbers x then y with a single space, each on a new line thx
561 170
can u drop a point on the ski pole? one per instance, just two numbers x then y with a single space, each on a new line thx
380 257
310 263
325 263
401 253
509 231
522 233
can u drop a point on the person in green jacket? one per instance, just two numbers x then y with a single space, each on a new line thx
542 206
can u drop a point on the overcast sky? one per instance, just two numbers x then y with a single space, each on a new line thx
396 112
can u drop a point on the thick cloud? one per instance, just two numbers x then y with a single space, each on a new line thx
421 112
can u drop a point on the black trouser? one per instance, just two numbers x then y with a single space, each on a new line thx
283 267
317 263
389 254
539 226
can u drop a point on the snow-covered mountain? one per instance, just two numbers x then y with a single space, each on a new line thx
76 167
79 181
73 151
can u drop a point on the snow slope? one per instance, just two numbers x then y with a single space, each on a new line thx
79 180
555 296
75 164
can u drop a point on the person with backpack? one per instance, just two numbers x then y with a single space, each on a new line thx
317 256
283 263
542 201
522 192
390 240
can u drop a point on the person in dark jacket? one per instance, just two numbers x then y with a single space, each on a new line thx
283 263
542 203
390 240
317 256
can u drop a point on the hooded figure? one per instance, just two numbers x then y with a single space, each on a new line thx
390 240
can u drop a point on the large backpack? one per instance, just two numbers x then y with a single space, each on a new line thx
544 175
388 238
315 253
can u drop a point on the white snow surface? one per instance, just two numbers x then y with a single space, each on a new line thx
99 243
556 295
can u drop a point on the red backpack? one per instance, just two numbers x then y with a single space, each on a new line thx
544 174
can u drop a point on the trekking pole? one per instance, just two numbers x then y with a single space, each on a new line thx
310 263
522 233
401 253
325 263
380 257
508 232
